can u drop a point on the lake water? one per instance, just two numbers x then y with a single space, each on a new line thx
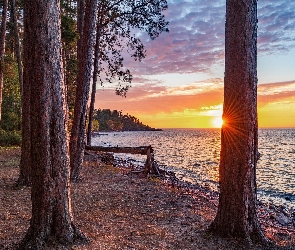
193 154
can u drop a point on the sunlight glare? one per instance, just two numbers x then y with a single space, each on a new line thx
217 122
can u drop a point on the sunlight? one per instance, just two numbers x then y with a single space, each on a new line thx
217 122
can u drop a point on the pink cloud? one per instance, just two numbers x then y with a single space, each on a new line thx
274 92
148 98
152 99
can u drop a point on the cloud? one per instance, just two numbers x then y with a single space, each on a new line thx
276 26
211 110
196 104
203 96
195 42
276 92
152 99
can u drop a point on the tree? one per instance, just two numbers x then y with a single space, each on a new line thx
69 36
85 55
11 110
236 214
24 178
116 21
17 45
51 205
2 47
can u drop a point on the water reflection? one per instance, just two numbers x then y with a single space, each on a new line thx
194 155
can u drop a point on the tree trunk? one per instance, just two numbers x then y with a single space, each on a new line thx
236 214
77 142
80 26
2 49
25 161
17 46
24 178
51 204
94 81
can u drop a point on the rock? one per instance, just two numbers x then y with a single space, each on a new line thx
271 216
281 208
271 207
282 219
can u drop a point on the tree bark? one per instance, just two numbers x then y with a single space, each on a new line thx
94 82
77 142
80 25
24 178
2 49
17 46
236 214
51 204
142 150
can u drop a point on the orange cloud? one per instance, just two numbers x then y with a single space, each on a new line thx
198 104
152 99
273 92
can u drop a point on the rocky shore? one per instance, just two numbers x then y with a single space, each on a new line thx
117 209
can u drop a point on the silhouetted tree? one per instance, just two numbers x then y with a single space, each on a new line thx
236 214
113 120
51 203
116 21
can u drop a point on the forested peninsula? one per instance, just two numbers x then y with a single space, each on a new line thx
107 120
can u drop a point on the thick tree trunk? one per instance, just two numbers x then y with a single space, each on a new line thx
94 81
77 142
2 49
236 214
51 204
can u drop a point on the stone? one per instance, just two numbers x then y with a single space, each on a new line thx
282 219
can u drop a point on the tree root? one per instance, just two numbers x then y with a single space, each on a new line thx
255 238
38 242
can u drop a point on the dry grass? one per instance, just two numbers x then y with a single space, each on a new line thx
116 210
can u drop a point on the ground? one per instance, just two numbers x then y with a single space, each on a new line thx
119 210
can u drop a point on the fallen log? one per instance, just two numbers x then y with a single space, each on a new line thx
143 150
149 167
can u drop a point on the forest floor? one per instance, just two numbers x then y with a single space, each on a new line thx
119 210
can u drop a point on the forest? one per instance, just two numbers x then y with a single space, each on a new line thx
108 120
52 53
114 36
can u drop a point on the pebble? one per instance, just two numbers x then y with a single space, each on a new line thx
282 219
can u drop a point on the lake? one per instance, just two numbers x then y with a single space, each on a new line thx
193 154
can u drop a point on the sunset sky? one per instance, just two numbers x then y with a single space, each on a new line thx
180 82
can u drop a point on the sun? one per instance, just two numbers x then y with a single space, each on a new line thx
217 122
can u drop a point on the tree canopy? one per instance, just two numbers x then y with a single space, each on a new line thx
117 27
116 121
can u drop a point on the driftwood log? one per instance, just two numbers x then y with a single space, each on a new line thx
150 165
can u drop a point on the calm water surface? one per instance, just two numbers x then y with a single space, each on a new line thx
193 154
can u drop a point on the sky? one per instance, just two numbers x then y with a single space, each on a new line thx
179 84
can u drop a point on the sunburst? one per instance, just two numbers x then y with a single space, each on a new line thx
217 122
